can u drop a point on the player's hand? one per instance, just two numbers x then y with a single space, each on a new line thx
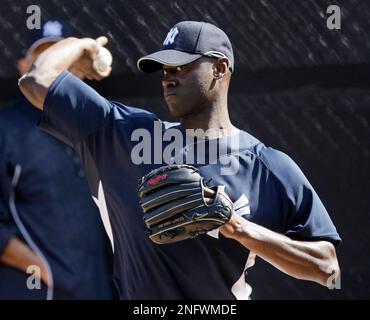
85 64
234 228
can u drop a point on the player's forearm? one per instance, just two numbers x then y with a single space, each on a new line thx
19 255
315 261
48 66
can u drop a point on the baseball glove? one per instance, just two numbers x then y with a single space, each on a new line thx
174 204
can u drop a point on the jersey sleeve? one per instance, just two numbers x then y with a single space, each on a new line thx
73 110
305 216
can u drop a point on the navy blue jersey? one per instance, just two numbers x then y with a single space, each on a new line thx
55 206
268 188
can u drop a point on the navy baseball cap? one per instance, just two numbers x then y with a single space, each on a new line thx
186 42
51 31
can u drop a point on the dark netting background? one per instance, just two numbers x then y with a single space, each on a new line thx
298 86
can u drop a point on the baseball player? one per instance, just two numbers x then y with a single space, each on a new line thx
47 217
275 213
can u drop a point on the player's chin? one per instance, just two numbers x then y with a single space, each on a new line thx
175 110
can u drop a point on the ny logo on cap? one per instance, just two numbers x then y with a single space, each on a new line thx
171 35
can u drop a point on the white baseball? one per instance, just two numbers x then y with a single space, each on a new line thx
103 60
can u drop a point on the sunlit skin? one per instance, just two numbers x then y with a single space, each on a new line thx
196 93
187 88
24 64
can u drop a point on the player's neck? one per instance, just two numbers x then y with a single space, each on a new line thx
213 119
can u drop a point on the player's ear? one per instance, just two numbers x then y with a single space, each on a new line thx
220 68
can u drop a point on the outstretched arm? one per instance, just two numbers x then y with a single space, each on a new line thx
305 260
67 53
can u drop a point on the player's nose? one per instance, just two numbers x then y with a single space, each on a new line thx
169 80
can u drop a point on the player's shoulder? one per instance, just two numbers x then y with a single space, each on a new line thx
7 112
132 112
140 118
274 159
282 166
18 116
248 141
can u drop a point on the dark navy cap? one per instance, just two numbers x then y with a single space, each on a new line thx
186 42
51 31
